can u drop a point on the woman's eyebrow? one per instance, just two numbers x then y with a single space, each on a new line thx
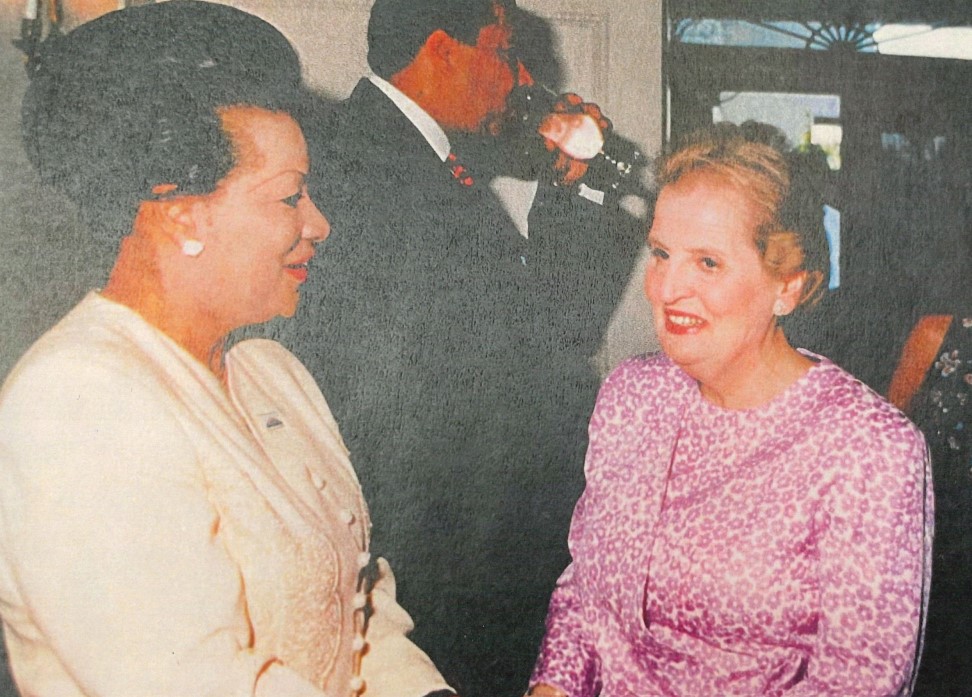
707 250
294 173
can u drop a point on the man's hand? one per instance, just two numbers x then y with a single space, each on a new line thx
576 130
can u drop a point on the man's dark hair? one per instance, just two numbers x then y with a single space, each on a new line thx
131 100
397 29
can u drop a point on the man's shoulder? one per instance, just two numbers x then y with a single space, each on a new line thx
364 149
366 124
335 126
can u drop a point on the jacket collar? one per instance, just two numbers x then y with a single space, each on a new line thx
426 125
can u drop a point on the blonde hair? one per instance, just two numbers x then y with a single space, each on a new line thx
750 158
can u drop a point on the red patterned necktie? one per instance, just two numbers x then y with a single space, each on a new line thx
459 172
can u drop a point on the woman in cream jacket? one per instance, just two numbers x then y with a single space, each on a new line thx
177 519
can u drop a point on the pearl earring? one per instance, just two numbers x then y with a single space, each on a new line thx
778 308
192 248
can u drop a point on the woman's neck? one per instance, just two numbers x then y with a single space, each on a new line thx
758 379
137 281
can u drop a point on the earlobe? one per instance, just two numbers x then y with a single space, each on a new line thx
192 248
179 212
176 221
791 292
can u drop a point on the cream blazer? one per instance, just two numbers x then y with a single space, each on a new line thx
163 536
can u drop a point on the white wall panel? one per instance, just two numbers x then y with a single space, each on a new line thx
330 36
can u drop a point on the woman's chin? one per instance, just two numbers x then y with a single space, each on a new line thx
289 308
680 354
674 346
288 312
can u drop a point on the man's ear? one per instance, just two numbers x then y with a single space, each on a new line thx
791 291
441 46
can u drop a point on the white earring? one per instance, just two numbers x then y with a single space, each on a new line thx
192 248
778 308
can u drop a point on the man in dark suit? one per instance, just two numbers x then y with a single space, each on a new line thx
453 350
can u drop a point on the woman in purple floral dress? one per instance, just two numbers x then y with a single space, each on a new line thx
756 521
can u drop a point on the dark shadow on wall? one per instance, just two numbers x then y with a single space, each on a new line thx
48 261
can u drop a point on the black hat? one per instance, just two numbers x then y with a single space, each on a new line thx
128 101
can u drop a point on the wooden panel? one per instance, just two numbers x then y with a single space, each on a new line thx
611 52
582 44
330 35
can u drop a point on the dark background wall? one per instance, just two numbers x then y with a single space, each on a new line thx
47 263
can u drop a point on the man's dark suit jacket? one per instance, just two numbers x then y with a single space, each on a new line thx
454 354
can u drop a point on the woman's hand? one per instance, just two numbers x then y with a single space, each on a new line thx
544 690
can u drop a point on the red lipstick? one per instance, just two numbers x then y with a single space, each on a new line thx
681 323
298 272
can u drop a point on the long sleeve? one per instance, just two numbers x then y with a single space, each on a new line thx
875 566
393 666
568 656
113 569
584 607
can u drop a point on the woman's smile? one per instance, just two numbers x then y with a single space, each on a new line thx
678 322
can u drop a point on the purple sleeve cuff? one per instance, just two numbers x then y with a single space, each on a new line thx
567 658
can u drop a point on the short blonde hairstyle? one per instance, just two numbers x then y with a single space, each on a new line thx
750 158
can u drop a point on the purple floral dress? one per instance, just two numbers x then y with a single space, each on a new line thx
771 551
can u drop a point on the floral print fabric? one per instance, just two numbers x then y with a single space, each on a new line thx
778 550
942 408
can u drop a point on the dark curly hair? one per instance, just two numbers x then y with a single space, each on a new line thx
130 101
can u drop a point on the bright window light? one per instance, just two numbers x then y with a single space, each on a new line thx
924 40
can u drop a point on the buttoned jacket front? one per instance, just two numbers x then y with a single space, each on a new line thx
162 535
